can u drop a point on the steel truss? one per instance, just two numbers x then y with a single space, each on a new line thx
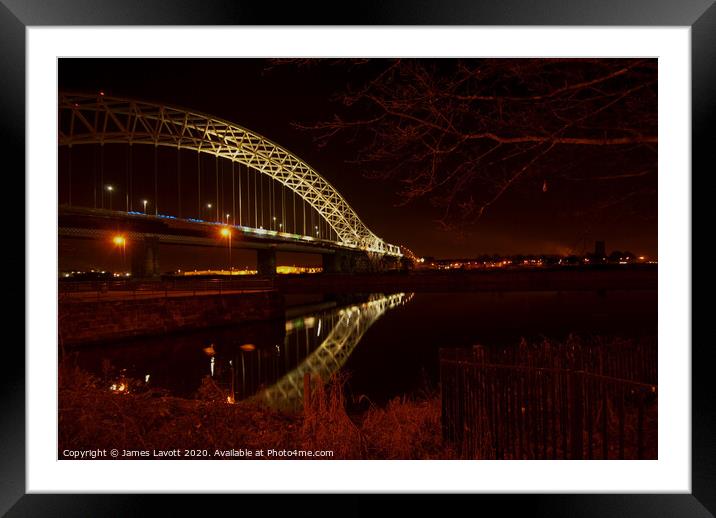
98 119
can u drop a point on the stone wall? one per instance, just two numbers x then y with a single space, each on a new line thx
96 321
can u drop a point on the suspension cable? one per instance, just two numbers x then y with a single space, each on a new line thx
156 181
69 169
179 181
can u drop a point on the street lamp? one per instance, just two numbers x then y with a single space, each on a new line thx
226 232
144 202
274 223
110 188
227 218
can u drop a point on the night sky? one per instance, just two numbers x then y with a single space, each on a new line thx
548 211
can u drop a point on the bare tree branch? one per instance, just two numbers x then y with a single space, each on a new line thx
465 132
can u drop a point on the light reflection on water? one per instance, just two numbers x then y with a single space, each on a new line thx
343 332
397 355
266 360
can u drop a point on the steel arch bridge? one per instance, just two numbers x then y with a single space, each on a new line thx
99 119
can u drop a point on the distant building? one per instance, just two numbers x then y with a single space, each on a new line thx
600 251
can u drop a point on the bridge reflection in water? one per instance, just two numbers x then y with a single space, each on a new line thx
343 332
265 360
318 344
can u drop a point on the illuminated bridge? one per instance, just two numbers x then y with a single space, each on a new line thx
240 189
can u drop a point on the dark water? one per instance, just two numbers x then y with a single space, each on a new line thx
388 344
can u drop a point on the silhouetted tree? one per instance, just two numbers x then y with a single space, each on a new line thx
465 132
616 256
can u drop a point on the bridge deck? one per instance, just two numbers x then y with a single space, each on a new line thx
88 223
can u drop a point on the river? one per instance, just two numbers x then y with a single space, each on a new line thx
387 345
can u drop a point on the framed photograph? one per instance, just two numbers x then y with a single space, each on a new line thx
401 251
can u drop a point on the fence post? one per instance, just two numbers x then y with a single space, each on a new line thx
588 415
605 422
577 439
621 417
640 427
443 397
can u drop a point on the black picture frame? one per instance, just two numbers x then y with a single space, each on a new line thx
699 15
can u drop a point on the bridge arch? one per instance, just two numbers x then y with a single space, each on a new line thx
100 119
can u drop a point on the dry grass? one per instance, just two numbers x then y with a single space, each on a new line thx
91 417
405 429
326 425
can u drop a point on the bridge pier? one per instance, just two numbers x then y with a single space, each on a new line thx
266 261
392 263
336 262
145 258
358 262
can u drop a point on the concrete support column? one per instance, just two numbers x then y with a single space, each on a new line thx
391 263
358 262
145 258
266 261
340 262
331 263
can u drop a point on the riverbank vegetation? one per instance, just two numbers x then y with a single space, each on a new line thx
93 417
578 398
